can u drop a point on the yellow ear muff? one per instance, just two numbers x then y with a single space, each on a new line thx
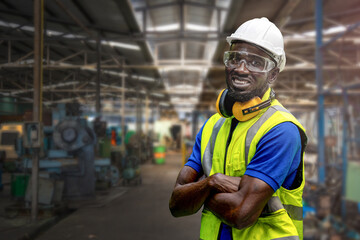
247 110
227 107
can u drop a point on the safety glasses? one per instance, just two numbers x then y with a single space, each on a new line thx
253 62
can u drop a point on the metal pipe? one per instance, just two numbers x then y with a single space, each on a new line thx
319 82
181 13
73 17
144 20
37 105
9 51
340 35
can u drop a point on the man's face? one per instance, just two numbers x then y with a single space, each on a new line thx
243 84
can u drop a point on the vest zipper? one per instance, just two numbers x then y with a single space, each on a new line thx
234 123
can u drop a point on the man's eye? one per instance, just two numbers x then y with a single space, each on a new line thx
233 61
255 63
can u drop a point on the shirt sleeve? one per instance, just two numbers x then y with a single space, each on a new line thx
194 160
277 157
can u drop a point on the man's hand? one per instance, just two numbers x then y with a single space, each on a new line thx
241 208
190 192
220 183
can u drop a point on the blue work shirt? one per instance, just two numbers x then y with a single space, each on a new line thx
277 158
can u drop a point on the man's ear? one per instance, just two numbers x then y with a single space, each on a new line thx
273 75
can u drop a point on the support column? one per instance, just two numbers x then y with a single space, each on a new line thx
37 104
147 114
320 92
9 51
98 66
138 113
123 107
344 151
139 123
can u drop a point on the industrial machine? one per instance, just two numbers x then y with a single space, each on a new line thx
69 157
10 135
78 140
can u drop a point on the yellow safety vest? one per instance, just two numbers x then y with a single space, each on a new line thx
282 216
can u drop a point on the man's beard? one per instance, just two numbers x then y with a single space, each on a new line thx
239 96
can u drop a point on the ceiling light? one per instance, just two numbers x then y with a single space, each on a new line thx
164 28
147 79
164 104
73 36
121 45
167 68
157 94
201 28
311 85
333 30
328 31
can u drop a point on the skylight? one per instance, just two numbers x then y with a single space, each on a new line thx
200 28
69 36
165 28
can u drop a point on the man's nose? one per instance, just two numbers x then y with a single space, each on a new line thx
242 67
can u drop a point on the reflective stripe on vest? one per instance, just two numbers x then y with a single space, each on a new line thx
274 204
255 128
209 150
287 238
295 213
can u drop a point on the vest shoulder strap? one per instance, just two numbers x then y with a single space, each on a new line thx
255 127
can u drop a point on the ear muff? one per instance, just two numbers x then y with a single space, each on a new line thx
247 110
251 108
227 107
224 104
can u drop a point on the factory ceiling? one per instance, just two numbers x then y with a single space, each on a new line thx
169 51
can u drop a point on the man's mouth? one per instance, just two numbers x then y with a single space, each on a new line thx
240 83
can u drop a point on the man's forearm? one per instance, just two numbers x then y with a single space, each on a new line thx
242 208
187 199
189 195
225 206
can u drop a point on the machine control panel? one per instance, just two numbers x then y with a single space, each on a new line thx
33 134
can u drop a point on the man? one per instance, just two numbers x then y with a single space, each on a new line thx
246 168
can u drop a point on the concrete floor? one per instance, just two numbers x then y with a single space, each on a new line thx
131 212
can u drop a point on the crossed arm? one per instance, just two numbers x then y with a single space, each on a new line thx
236 201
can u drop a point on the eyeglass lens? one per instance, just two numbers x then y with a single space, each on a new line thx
253 62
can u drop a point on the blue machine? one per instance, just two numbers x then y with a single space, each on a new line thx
68 153
73 160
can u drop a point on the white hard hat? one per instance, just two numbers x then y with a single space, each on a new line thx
264 34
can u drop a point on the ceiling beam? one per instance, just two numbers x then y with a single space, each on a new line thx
73 17
283 16
171 4
300 67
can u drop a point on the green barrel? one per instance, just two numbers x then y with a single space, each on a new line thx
159 154
105 148
19 184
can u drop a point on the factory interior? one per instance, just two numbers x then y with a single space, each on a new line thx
101 101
